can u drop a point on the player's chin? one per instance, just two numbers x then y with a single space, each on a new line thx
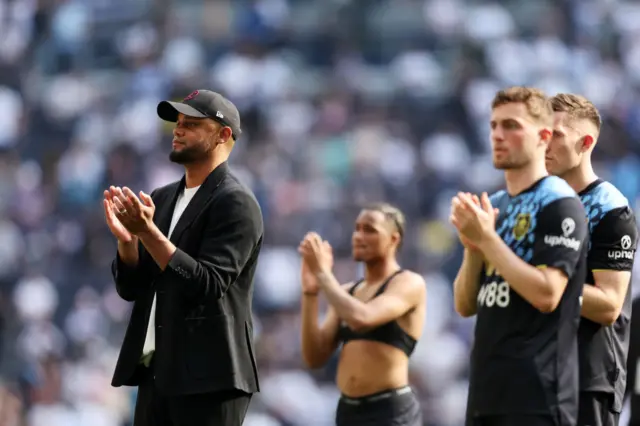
554 170
358 256
552 167
181 156
504 164
501 164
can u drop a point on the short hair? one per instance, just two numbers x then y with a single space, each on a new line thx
537 103
392 214
577 107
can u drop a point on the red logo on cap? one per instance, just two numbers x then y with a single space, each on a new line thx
191 95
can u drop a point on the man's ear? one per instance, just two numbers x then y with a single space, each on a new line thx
396 237
225 135
588 142
545 135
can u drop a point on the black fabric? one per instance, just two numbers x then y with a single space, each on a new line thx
390 333
551 247
204 323
596 409
227 408
633 386
513 420
613 240
524 361
396 410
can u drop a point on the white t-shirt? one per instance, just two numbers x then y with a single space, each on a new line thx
181 205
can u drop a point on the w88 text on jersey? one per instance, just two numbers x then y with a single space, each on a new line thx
496 293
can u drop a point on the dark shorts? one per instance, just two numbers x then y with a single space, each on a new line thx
596 409
512 420
397 407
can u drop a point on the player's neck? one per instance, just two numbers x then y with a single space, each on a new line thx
520 179
196 173
379 270
580 177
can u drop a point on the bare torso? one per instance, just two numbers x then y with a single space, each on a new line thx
366 367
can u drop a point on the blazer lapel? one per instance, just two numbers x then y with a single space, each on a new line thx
199 200
164 208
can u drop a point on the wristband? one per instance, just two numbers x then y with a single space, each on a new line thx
310 293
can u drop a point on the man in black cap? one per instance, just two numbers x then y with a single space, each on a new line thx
186 257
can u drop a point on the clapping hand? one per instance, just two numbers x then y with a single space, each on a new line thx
126 215
317 254
115 226
473 218
308 279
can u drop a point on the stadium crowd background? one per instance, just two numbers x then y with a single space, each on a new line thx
342 101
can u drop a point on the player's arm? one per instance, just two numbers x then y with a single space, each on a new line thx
613 246
318 341
229 241
542 283
127 272
467 283
404 293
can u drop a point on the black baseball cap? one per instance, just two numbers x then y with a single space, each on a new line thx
203 104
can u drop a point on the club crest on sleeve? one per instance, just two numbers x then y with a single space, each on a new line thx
523 223
191 95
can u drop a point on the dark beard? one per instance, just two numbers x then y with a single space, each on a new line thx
188 155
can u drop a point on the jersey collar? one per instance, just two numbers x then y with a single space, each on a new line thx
533 186
590 187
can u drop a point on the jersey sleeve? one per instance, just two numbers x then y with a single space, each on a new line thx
560 234
614 240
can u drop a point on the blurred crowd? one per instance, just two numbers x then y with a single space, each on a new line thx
343 102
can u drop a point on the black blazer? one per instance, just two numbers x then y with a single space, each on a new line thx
204 328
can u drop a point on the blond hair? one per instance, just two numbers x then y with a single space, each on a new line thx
577 107
536 102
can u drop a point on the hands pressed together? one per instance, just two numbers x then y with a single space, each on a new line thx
317 258
474 218
127 215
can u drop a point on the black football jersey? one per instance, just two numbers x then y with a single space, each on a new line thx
633 362
525 361
613 239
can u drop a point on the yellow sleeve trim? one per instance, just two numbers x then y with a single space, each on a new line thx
541 266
